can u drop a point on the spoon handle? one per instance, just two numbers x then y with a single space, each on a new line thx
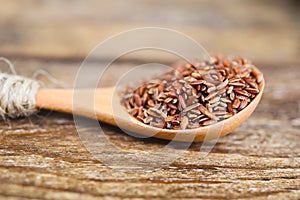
86 102
55 99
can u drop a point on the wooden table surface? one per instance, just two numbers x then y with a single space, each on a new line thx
42 156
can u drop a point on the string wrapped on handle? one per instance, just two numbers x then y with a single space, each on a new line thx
17 95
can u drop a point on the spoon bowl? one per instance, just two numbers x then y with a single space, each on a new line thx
107 109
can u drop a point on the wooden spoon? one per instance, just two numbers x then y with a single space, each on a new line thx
107 109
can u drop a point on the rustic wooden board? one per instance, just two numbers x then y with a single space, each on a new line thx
42 157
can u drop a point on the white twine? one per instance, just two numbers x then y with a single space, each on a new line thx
52 79
17 93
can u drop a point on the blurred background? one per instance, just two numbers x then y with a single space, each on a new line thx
54 29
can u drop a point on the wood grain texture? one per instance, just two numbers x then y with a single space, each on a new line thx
42 157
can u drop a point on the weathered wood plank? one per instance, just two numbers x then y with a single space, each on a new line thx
43 157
